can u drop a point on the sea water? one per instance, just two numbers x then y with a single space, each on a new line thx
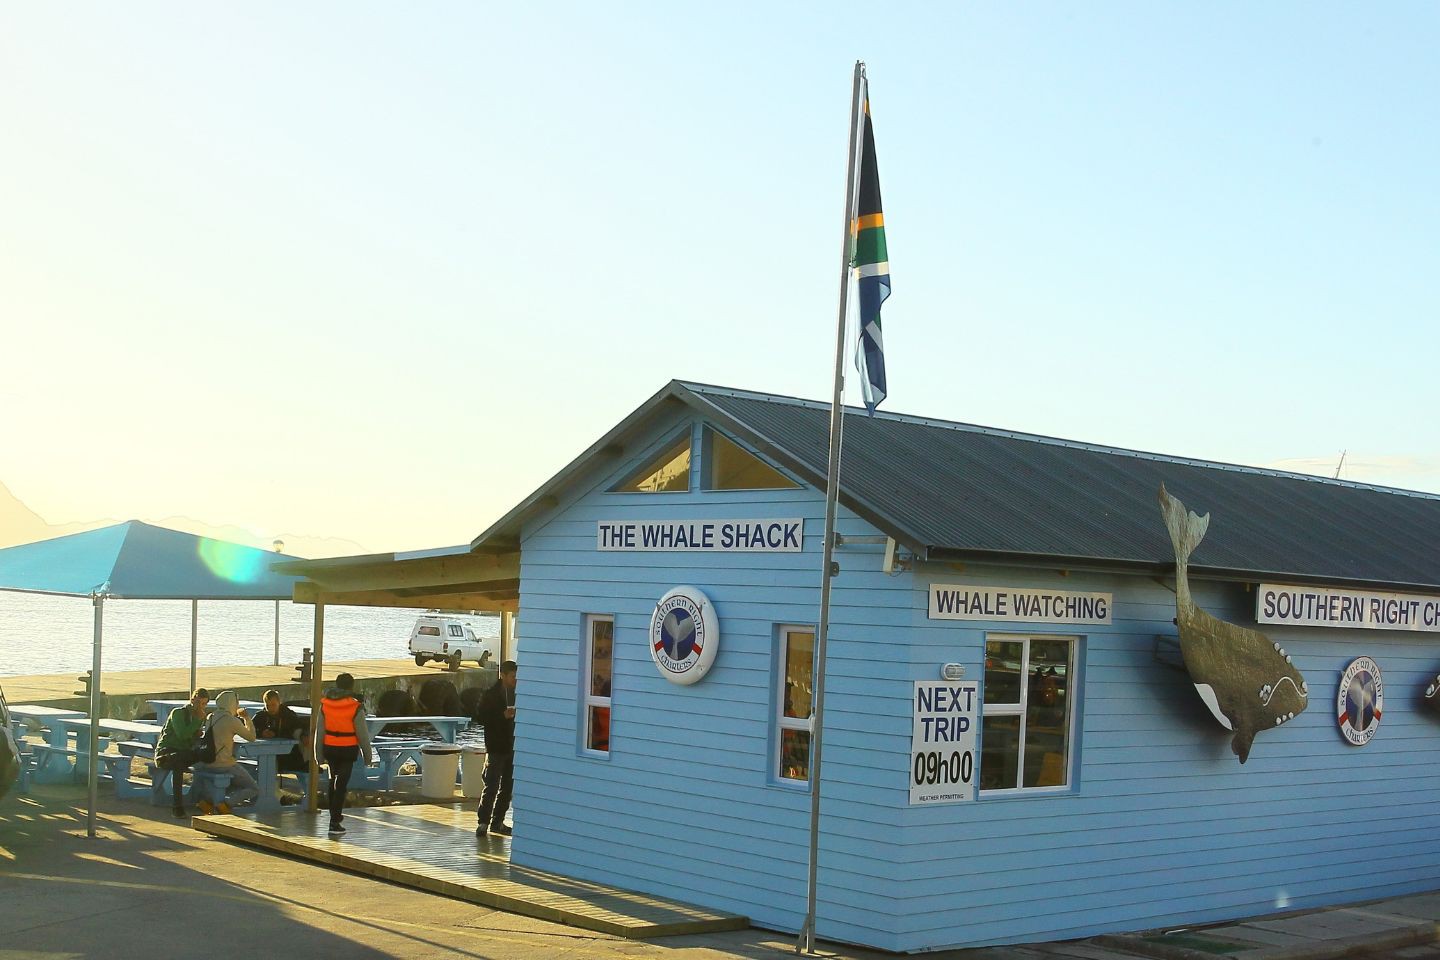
43 634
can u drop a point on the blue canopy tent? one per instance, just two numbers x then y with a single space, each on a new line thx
138 561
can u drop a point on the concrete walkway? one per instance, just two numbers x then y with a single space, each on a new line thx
152 886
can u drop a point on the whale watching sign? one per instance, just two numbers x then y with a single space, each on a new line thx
1017 604
717 536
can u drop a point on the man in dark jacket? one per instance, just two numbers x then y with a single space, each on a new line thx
278 720
496 711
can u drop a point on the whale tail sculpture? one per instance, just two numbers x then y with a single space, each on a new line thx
1247 681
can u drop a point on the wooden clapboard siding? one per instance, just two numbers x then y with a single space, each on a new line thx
1164 826
736 836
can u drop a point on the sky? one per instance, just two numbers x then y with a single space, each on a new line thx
377 271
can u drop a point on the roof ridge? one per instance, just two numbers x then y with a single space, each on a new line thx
712 389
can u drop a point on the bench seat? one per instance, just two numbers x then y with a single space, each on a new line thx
211 785
116 767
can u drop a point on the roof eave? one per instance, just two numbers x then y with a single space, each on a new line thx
504 534
1161 568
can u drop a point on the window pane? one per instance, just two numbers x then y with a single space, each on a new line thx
1045 713
799 670
795 754
1002 671
599 735
670 473
601 645
999 753
732 467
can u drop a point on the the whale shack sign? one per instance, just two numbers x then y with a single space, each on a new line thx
739 536
1357 609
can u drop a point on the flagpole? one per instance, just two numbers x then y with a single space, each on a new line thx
806 941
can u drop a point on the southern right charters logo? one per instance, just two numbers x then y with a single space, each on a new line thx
1360 701
683 635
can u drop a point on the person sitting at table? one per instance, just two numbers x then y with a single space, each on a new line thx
228 722
277 720
176 750
343 737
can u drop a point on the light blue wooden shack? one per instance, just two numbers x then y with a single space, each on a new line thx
1102 795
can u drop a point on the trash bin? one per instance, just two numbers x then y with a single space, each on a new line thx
472 772
438 766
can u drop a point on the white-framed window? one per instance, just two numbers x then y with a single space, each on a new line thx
597 663
1028 723
794 703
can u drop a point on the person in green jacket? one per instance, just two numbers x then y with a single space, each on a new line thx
176 750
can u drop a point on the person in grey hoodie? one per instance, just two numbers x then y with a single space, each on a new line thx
227 722
343 738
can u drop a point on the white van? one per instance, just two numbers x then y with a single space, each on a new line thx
450 639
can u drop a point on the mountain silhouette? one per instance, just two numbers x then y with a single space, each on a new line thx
19 524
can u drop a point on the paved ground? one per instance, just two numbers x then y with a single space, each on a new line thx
150 886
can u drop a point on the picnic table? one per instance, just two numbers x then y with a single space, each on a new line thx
266 752
54 735
447 727
59 762
163 708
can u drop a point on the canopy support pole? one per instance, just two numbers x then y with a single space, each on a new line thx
92 780
507 637
312 803
194 640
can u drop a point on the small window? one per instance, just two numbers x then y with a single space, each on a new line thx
796 676
1028 713
599 659
429 631
667 473
455 630
729 466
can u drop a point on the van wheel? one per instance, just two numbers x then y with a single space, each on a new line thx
421 659
455 661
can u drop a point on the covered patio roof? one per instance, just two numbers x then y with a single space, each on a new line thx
446 578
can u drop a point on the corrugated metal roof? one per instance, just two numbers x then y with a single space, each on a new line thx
957 491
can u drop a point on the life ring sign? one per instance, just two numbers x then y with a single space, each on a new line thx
1360 701
684 635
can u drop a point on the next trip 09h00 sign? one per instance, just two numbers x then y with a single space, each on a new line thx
942 744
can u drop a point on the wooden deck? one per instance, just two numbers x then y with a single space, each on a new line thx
433 847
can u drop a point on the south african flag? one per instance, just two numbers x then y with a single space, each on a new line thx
872 270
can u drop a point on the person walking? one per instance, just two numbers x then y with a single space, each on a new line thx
343 737
496 711
176 750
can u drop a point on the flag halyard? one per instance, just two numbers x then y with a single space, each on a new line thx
872 270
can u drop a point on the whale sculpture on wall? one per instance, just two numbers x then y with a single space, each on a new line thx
1247 681
1432 694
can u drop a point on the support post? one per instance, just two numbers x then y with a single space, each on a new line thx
194 640
311 795
92 780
